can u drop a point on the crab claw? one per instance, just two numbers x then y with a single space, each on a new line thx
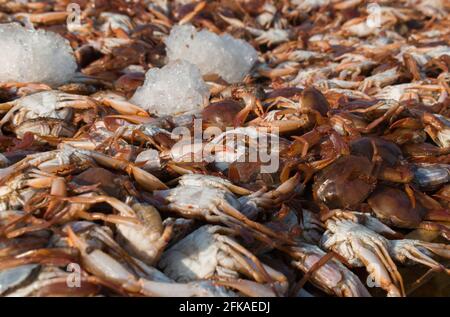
124 107
419 251
146 180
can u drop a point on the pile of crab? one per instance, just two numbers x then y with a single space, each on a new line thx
99 198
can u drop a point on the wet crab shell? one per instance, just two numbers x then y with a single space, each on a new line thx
345 183
196 256
16 277
431 176
197 199
394 207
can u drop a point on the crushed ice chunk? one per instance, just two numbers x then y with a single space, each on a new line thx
176 88
222 55
34 56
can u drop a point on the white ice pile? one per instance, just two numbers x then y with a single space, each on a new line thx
222 55
34 56
176 88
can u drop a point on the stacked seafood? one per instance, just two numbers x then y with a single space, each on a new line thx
107 190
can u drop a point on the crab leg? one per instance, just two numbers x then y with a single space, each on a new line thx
384 256
58 189
415 255
198 8
161 289
98 263
246 287
134 119
239 190
116 219
284 189
231 211
440 249
46 18
126 217
376 265
241 253
58 257
388 114
58 287
250 105
12 108
283 126
144 178
368 221
38 224
405 249
390 265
